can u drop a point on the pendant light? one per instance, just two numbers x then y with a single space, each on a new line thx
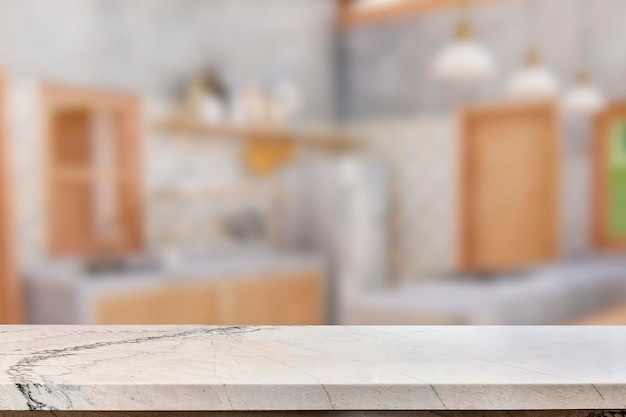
534 80
584 98
464 61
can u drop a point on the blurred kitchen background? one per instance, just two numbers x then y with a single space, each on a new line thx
313 162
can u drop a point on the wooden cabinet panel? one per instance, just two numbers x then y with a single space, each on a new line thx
609 208
276 300
134 307
184 304
130 216
610 316
509 187
248 301
10 291
289 299
72 212
69 142
297 301
94 172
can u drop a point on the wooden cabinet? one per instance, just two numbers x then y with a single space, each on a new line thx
278 299
173 304
614 315
609 208
10 294
509 187
94 171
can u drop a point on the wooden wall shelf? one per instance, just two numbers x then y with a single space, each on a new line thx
230 193
350 15
334 141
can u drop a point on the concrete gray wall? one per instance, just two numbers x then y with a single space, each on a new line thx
152 45
389 65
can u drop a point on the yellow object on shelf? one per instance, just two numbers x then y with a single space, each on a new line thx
266 148
266 156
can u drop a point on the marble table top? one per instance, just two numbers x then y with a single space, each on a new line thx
127 368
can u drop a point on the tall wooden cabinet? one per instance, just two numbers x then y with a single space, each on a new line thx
94 171
609 199
10 294
509 187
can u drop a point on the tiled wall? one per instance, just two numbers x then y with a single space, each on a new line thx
193 185
421 156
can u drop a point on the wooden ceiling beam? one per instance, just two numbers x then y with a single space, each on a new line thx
351 16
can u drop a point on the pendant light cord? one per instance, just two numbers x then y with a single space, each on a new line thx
583 40
531 18
464 11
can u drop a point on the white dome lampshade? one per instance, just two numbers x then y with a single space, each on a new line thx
465 61
534 81
584 98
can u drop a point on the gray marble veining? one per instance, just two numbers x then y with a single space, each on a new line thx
167 368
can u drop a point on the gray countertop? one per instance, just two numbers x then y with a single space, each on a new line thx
63 292
211 266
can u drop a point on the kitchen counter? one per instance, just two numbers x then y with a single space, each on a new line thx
121 368
63 292
214 266
565 292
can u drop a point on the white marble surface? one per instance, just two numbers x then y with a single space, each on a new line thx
311 368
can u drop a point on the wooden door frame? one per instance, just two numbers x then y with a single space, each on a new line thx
11 296
599 205
54 95
465 172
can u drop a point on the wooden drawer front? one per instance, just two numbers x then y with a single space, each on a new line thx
275 300
197 304
297 301
271 300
